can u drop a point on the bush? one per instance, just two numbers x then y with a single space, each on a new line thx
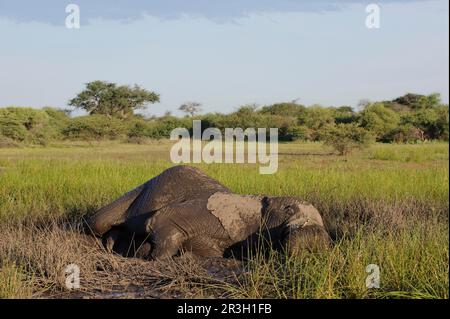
299 133
157 129
26 125
433 122
138 130
12 128
405 134
316 117
165 126
7 142
417 118
346 137
95 127
283 109
58 121
379 120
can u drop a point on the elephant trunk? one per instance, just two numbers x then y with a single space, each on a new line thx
312 238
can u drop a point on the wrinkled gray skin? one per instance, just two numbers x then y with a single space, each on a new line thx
183 209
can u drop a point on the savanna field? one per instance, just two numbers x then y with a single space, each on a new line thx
385 205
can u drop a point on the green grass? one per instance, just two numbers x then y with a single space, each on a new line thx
14 282
410 153
412 265
386 205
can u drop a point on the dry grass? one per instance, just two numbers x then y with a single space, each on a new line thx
44 249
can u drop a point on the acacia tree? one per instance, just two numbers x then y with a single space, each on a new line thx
109 99
191 108
418 101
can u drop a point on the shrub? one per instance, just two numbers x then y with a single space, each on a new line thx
345 114
433 122
58 121
138 130
95 127
26 125
7 142
298 133
283 109
13 129
379 120
163 128
316 117
346 137
405 134
157 129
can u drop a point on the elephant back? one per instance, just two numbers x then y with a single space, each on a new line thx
174 185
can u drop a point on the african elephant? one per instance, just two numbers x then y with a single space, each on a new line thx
183 209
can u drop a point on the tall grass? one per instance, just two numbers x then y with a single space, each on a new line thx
61 187
410 153
14 282
413 264
387 205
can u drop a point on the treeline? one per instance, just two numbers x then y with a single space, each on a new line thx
410 118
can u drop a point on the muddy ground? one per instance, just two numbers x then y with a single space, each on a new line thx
186 276
43 251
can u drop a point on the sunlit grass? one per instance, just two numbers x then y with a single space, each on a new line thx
14 282
386 205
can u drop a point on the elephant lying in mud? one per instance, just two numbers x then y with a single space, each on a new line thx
183 209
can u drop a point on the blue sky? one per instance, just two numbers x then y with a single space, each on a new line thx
224 53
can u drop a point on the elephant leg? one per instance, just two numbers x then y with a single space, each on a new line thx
186 226
167 242
144 250
126 244
110 239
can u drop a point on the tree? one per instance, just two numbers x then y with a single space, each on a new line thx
111 100
284 109
418 101
407 133
345 114
297 132
362 104
315 117
191 108
346 137
433 122
379 120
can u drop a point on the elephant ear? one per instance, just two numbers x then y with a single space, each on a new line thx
239 215
174 185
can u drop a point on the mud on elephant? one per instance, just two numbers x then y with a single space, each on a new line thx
183 209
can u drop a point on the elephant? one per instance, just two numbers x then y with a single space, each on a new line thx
183 209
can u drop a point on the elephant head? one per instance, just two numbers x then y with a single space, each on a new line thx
301 225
